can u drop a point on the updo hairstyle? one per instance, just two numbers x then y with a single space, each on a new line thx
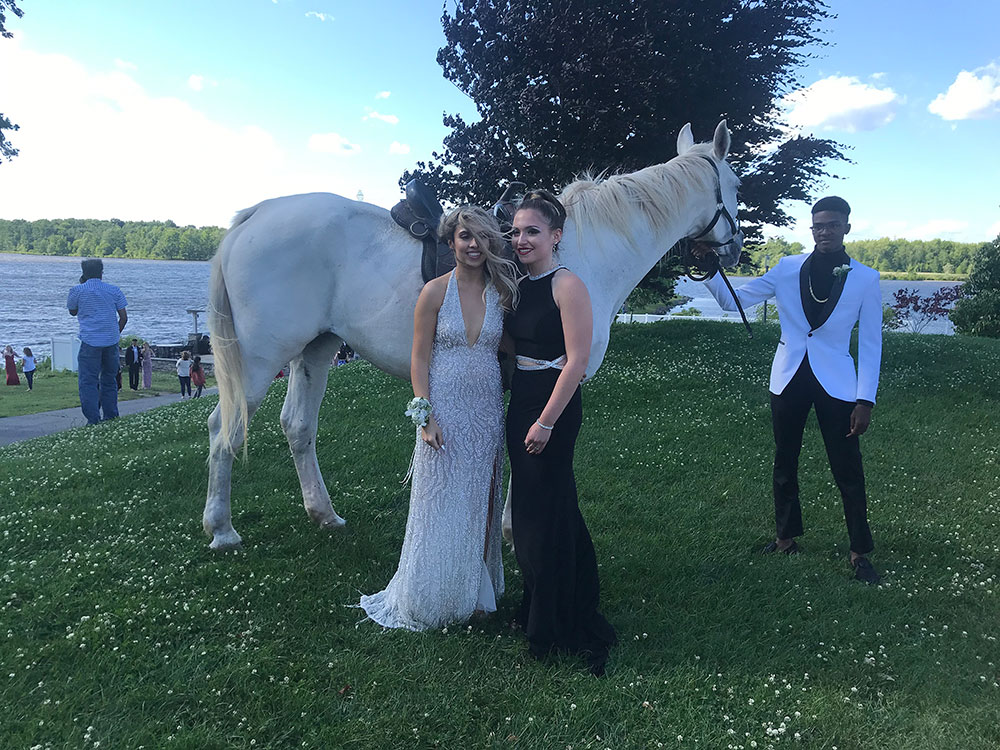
547 205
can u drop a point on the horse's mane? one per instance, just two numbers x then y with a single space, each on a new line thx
652 193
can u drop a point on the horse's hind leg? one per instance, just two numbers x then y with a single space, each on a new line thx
217 519
300 421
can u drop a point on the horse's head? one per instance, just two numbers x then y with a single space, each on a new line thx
721 229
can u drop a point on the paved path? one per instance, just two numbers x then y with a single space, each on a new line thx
16 429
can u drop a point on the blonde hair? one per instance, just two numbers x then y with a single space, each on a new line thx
499 270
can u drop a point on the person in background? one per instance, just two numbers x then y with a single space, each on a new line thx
197 377
28 367
184 372
101 310
133 360
10 365
147 366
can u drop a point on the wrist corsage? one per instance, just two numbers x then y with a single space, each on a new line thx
841 271
419 410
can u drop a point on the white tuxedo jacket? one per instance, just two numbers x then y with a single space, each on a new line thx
855 300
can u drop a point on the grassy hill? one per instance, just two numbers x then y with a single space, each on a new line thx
122 629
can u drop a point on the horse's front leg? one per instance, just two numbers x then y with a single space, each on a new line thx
300 421
217 519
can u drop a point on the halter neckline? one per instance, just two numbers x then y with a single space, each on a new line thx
545 273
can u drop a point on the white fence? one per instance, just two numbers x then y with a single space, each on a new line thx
644 318
65 350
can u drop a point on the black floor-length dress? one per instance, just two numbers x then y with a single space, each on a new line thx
559 609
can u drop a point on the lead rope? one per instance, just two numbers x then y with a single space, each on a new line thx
736 299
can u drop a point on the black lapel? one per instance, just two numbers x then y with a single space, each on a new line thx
838 288
804 296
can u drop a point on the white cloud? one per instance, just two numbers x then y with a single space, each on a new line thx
320 16
371 114
125 64
974 95
993 230
196 82
383 94
399 148
840 103
97 145
332 143
938 228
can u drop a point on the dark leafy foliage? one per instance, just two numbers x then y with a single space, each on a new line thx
159 240
573 85
916 312
7 150
978 312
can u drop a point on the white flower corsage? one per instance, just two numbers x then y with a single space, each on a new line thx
419 410
841 271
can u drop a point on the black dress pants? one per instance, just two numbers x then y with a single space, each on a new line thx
133 376
788 418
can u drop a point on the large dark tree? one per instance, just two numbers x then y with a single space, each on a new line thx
564 86
7 151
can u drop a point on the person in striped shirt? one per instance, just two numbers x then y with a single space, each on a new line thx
100 308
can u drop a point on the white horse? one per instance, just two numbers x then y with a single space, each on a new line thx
295 276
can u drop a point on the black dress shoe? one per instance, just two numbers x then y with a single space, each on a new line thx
791 549
865 572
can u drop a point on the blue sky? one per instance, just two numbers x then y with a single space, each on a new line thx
192 110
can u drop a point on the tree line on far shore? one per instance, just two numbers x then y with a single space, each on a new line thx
944 257
164 240
113 238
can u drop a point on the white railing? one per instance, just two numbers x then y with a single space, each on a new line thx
644 318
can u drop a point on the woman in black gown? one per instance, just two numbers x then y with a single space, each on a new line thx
551 332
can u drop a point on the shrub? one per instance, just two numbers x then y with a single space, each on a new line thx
978 312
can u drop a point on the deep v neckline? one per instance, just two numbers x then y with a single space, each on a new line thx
461 311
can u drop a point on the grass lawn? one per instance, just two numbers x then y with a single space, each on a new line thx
58 390
121 629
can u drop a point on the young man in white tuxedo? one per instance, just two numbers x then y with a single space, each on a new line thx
820 297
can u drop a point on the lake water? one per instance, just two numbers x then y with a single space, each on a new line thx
33 291
702 300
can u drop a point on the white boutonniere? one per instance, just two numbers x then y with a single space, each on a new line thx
841 272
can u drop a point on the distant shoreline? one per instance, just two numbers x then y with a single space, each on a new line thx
895 276
105 257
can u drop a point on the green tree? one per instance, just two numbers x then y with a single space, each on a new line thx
767 255
978 312
569 85
7 150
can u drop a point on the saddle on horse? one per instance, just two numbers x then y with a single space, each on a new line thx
420 212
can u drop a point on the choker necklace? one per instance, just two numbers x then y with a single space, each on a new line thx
543 274
813 294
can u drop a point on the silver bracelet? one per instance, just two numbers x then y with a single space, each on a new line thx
544 426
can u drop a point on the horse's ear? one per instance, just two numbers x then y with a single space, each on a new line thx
684 139
720 143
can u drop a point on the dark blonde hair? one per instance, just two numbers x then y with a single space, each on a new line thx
185 354
500 271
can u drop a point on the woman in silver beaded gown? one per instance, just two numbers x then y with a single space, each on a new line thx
450 566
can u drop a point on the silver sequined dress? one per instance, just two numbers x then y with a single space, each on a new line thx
455 500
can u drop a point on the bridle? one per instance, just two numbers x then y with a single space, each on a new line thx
710 264
721 212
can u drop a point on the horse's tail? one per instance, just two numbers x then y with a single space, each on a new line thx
230 374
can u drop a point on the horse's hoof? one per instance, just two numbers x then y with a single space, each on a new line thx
227 540
333 523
